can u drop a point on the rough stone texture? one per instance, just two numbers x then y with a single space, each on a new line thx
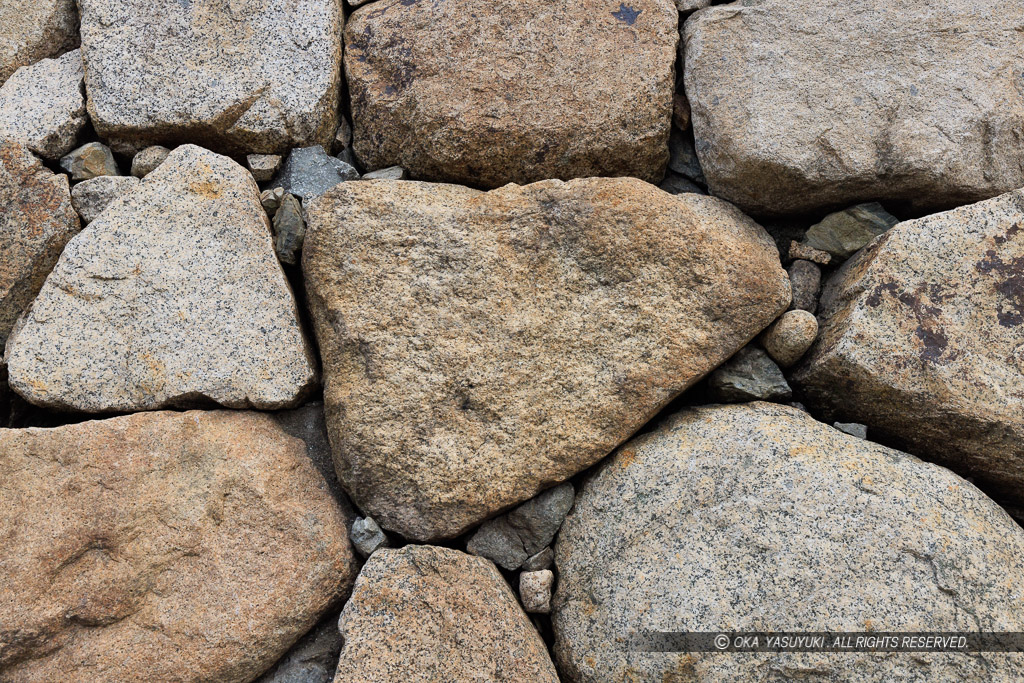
91 197
43 105
480 347
424 613
146 161
804 252
846 232
750 375
789 337
33 30
263 166
271 200
89 161
520 111
756 517
535 590
791 115
172 297
367 536
238 76
683 157
926 345
691 5
680 107
289 230
313 659
310 171
343 135
36 222
162 546
541 560
510 539
805 278
307 423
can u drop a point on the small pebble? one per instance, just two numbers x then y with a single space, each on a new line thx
789 337
342 136
808 253
146 161
90 161
289 230
844 233
271 200
390 173
263 166
535 591
367 536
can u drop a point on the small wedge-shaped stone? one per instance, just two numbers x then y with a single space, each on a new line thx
36 220
424 613
480 347
43 105
171 297
237 76
922 340
31 30
759 518
542 88
193 547
799 105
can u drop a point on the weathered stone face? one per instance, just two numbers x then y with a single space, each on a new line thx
925 344
434 614
799 105
162 546
756 517
171 297
487 92
43 106
33 30
479 347
237 76
36 222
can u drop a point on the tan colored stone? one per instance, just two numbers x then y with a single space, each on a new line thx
535 590
789 337
91 197
173 296
192 547
31 30
36 222
146 161
487 92
43 105
480 347
799 105
805 252
922 340
758 518
424 613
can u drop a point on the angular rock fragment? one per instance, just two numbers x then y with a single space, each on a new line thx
535 591
125 538
146 161
750 375
743 518
433 614
289 230
271 200
310 171
43 106
510 539
804 252
91 197
853 429
677 184
263 166
307 423
33 30
389 173
683 157
922 340
172 297
789 337
479 347
89 161
791 115
36 222
541 560
843 233
239 77
520 112
805 277
367 537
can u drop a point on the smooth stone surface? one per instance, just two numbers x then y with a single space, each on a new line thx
43 106
425 613
750 375
311 660
263 166
91 160
389 173
37 221
541 560
270 200
367 536
480 347
239 77
789 337
518 109
146 161
172 297
792 115
91 197
805 277
33 30
310 171
125 538
677 184
756 517
846 232
289 230
535 591
922 340
853 429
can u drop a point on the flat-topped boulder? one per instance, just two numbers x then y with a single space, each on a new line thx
34 30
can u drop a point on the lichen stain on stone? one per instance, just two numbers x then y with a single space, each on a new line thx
923 303
1010 285
625 14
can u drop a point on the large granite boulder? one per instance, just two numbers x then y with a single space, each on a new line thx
487 92
171 297
192 547
43 105
799 104
36 222
237 76
922 340
424 613
31 30
758 518
480 347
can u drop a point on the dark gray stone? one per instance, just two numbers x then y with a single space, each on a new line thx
389 173
844 233
805 278
367 536
853 429
509 540
541 560
750 375
677 184
289 230
311 171
683 157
